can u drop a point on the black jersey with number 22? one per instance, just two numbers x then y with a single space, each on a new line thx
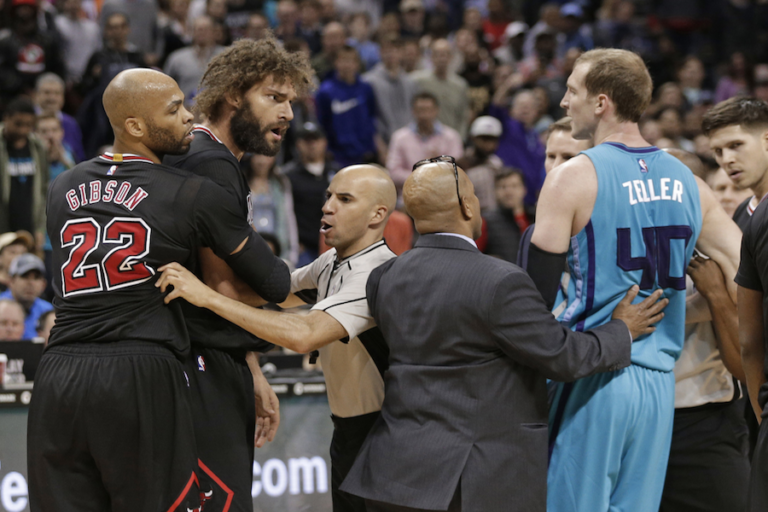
113 221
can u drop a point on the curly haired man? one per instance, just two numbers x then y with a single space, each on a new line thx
245 103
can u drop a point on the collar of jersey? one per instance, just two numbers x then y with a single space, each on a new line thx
751 209
207 131
362 252
127 157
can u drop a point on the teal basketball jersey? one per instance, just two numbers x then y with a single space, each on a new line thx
643 229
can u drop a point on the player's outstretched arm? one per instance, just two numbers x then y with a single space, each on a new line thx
752 344
300 333
720 237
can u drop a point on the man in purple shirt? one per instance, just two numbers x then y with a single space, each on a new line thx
49 99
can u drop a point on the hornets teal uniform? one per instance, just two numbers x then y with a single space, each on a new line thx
610 433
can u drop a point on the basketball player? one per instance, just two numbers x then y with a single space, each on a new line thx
360 200
245 99
738 131
734 137
110 426
635 214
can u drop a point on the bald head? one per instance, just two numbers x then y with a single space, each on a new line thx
430 198
690 160
133 93
360 200
146 111
372 183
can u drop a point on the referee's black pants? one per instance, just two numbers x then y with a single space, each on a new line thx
348 437
708 468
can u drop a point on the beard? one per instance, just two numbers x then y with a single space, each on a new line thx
249 134
164 142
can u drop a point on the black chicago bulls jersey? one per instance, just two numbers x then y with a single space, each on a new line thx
210 158
113 221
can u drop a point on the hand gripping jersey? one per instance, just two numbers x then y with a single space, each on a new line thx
643 229
113 221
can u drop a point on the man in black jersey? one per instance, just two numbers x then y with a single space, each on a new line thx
737 143
245 98
110 426
738 131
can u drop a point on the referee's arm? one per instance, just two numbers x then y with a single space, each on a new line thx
300 333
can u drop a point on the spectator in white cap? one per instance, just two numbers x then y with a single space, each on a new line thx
480 161
12 245
511 52
27 283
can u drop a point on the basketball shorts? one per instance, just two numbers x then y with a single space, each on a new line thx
110 428
610 436
224 417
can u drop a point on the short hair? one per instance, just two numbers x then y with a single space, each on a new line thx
13 302
424 95
49 78
118 13
623 77
561 125
742 111
46 116
245 64
350 50
20 105
507 172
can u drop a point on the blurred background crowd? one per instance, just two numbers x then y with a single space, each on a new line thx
397 81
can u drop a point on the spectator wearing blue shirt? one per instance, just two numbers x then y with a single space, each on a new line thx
346 110
360 40
49 99
577 33
27 283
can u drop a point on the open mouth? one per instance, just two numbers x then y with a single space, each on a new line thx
325 227
735 175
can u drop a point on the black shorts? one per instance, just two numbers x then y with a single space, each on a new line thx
224 416
708 468
110 428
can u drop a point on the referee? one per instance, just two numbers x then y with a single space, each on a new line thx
360 200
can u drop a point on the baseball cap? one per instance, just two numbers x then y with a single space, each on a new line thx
411 5
13 237
25 263
515 28
485 126
310 130
572 9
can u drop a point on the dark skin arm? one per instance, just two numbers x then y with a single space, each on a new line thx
751 338
218 275
710 283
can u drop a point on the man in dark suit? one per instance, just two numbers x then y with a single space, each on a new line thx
464 420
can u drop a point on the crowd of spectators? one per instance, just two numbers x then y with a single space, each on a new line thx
397 81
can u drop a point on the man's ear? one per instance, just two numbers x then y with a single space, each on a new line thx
466 209
601 104
379 215
135 127
234 101
764 140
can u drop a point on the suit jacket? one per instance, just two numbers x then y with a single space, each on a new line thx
471 345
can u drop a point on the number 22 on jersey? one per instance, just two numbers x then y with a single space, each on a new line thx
121 266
